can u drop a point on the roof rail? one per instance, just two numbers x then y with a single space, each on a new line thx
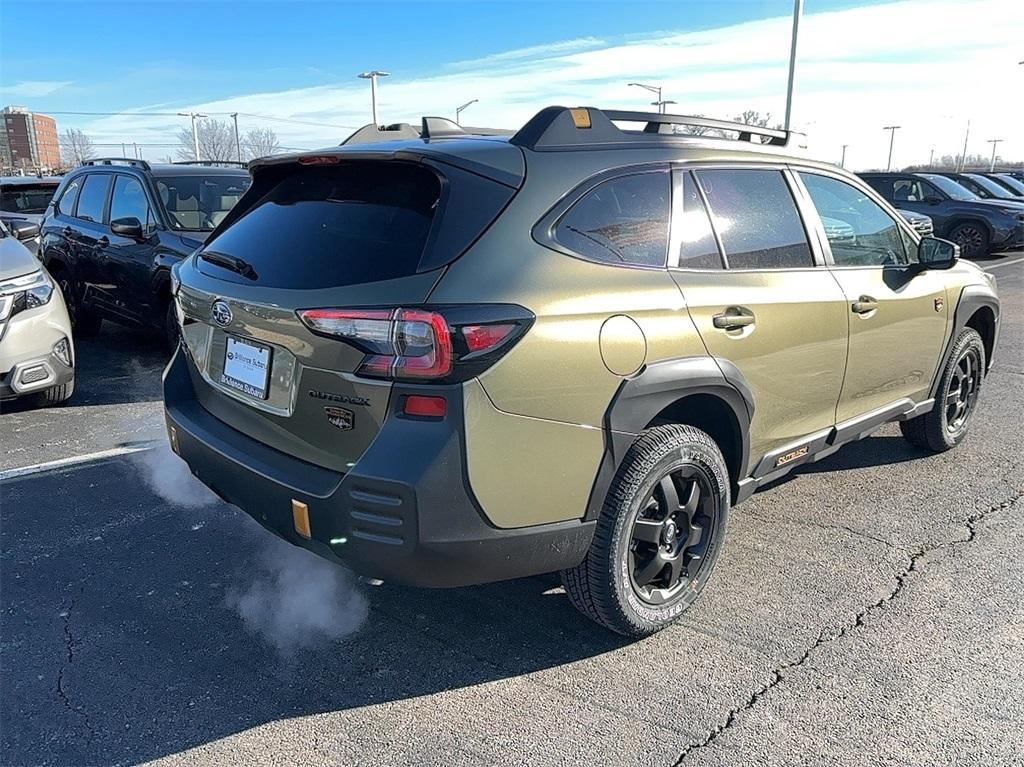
134 162
213 163
588 127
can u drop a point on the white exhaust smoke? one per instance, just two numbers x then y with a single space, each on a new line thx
293 598
297 599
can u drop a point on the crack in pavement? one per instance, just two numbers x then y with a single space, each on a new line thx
778 674
70 645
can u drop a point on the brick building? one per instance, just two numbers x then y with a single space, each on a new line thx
28 141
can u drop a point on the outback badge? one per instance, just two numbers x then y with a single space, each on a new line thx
340 418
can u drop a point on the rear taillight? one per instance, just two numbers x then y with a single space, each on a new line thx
445 344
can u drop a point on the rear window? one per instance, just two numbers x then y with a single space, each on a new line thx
333 226
26 198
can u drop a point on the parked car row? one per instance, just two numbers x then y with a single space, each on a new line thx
979 224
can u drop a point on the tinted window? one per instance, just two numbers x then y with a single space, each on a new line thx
129 201
698 248
859 232
621 221
952 188
66 203
332 226
990 186
756 218
26 198
1011 183
199 203
93 197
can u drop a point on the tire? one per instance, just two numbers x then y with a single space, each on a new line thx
608 585
84 323
171 334
57 395
946 424
972 237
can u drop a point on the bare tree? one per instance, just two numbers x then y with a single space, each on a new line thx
260 142
75 147
216 141
698 130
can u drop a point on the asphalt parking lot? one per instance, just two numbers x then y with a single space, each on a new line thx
869 610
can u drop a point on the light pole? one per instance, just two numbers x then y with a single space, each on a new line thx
842 160
661 104
931 157
963 156
459 110
655 89
372 76
892 135
992 164
195 129
238 143
798 9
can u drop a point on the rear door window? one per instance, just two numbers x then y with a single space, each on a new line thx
332 226
129 201
756 218
68 198
93 197
623 221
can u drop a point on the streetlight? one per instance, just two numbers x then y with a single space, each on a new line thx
963 156
458 110
993 142
195 129
372 76
798 9
655 89
662 104
238 143
842 160
892 135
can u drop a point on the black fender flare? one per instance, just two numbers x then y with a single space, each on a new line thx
640 398
972 298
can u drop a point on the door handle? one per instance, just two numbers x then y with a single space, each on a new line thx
733 318
102 242
864 305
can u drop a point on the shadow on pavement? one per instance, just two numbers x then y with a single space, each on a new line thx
119 645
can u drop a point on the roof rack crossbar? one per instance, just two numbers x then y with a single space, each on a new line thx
117 160
582 127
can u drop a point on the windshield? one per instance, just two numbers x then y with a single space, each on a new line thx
26 198
199 203
991 186
1011 182
950 187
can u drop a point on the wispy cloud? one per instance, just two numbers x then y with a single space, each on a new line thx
917 63
33 88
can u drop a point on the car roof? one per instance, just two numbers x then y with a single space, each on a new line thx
30 180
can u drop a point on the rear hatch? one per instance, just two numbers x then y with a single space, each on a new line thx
348 235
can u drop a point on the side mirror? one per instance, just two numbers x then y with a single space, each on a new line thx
128 227
932 199
23 230
934 253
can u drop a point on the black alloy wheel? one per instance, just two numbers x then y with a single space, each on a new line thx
670 535
962 394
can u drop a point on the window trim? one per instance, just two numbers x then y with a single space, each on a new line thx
543 231
817 254
870 193
675 243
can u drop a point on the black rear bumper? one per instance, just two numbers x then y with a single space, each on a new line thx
404 513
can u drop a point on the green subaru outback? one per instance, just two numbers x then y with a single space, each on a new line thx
453 359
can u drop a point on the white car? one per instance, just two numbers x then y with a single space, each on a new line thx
37 354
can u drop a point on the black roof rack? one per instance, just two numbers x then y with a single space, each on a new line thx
589 127
214 163
118 161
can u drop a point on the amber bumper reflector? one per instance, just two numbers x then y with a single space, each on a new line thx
300 516
580 117
173 434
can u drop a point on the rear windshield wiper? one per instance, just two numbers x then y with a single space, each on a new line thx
233 263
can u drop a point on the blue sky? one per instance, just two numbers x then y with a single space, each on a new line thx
298 60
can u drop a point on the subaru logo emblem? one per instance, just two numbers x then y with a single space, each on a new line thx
221 313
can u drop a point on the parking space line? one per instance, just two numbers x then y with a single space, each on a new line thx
76 460
1005 263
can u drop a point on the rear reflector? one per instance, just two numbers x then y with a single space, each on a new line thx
480 337
425 406
300 518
